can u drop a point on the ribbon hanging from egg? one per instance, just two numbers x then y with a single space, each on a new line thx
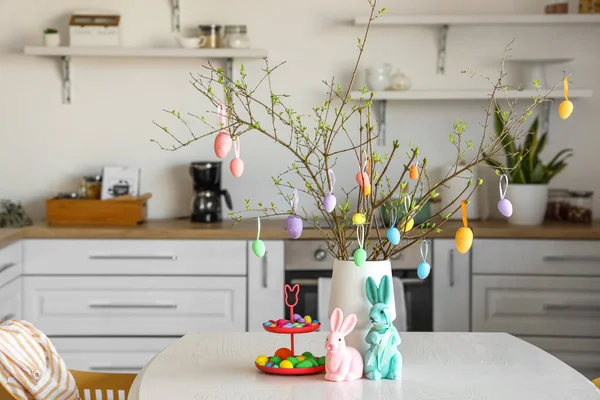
237 165
360 255
408 224
393 234
223 140
258 246
565 108
329 201
504 205
424 267
464 235
414 171
294 224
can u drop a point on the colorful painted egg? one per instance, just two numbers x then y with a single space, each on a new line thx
304 364
293 360
294 226
275 360
283 353
262 360
505 207
414 173
565 109
366 191
359 219
223 144
308 354
237 167
269 365
408 225
286 364
363 179
329 203
423 270
360 257
301 358
308 320
258 247
464 239
321 361
393 235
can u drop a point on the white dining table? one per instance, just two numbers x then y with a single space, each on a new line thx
440 366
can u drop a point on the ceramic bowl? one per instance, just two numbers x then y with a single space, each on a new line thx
189 42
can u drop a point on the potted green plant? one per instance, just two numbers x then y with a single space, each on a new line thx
528 175
51 37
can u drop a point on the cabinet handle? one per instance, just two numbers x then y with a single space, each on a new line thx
132 305
305 282
412 281
7 317
572 258
115 368
7 266
451 267
264 267
132 257
572 307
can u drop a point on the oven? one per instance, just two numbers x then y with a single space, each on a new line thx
308 260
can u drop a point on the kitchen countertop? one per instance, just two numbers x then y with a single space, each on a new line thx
274 229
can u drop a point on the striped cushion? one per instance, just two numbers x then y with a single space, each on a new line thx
30 367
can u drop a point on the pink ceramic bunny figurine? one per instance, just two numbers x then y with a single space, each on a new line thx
341 363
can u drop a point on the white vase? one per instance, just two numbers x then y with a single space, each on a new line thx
52 39
529 203
348 293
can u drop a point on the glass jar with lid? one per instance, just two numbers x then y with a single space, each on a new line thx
236 37
559 203
582 204
211 35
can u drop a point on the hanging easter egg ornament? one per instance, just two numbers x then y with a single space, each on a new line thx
362 178
414 171
360 255
237 165
223 142
464 235
566 107
294 223
359 219
504 205
393 234
329 201
424 268
258 246
410 223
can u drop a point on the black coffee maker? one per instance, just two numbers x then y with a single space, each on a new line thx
206 206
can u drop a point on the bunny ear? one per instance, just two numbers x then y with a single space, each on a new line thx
348 324
371 289
335 322
385 290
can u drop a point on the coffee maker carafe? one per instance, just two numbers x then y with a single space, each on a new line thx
206 205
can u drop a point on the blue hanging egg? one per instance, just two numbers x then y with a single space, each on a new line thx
393 235
423 270
360 257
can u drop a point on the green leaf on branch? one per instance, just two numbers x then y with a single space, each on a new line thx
247 204
479 181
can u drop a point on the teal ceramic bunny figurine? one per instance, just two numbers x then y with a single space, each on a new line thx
383 360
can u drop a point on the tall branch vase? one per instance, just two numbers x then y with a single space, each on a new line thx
348 293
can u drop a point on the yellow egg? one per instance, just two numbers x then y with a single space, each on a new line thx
366 191
359 219
301 358
408 225
307 319
262 360
565 109
464 239
286 364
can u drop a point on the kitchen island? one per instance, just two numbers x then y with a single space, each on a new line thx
436 366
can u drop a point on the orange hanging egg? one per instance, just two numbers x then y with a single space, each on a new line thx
366 190
464 239
414 172
363 179
565 109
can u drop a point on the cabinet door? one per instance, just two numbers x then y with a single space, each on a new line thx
10 300
10 263
265 285
451 287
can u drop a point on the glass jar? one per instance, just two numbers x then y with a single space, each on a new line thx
212 35
559 203
582 204
90 187
236 37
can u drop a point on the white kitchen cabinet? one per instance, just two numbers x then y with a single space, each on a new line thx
135 306
11 300
451 287
265 285
10 263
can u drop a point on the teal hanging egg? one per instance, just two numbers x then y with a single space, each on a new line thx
360 257
393 235
423 270
258 247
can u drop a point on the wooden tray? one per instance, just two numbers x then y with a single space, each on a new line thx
114 212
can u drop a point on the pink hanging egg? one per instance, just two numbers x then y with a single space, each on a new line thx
294 226
223 144
505 207
329 203
363 179
237 167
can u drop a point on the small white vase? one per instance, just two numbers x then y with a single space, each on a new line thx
348 293
52 39
529 203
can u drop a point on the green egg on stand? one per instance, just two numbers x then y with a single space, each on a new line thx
258 247
360 257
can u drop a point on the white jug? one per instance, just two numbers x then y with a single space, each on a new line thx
379 77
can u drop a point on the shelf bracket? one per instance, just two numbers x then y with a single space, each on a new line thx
545 116
229 68
441 57
382 122
176 16
66 79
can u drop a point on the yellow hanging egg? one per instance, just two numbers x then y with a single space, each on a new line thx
408 225
565 109
366 190
359 219
464 239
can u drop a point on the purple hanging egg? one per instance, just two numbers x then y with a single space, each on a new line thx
294 226
329 203
505 207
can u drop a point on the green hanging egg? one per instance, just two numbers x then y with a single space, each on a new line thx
258 247
360 257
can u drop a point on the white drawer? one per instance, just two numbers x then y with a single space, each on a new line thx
135 306
10 300
536 257
128 355
134 257
10 263
531 305
582 354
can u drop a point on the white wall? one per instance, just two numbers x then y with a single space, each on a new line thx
47 146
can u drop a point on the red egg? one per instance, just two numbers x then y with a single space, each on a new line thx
363 179
237 167
223 144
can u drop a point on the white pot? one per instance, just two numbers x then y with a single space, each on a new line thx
52 39
529 203
348 293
